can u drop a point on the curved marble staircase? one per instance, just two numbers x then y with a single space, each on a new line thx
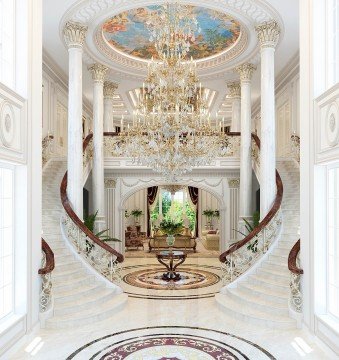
79 298
262 297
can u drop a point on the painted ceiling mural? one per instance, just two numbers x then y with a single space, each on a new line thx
128 33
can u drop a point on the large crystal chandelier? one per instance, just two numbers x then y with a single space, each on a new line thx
171 131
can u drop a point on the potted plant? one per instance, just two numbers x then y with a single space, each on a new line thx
136 213
253 245
170 228
209 213
89 222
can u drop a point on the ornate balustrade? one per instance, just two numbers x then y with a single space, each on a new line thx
295 147
296 300
47 264
244 253
103 258
46 149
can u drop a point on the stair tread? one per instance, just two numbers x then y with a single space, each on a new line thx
111 304
252 312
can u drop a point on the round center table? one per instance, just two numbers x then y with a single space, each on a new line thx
171 260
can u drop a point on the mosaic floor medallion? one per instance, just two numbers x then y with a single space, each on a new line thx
190 279
171 343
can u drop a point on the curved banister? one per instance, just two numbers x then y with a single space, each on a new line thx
50 264
266 220
292 259
76 220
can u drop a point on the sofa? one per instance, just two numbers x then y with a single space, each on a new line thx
210 239
182 241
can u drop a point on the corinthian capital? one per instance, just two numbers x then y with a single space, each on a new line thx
109 89
268 33
74 34
98 72
245 71
234 89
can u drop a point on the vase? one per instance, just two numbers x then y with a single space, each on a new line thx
170 240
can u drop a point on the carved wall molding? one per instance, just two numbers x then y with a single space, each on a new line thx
327 125
110 183
13 125
234 183
7 123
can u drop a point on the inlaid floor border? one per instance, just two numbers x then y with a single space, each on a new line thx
227 334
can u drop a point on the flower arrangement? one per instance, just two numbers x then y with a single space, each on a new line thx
171 227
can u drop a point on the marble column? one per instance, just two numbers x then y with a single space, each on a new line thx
235 95
245 71
233 185
109 90
74 36
98 74
268 35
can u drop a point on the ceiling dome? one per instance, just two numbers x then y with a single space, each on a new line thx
127 32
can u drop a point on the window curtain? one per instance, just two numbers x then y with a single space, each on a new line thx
194 199
152 197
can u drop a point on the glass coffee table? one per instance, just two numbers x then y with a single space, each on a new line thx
171 260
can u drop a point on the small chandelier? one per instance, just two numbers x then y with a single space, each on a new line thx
171 131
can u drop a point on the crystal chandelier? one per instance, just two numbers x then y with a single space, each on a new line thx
171 131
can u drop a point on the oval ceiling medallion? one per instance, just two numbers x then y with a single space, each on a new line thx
127 32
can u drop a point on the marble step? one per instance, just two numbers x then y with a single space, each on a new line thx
246 298
84 302
280 285
71 295
272 274
89 315
73 282
264 292
250 314
273 265
69 275
65 267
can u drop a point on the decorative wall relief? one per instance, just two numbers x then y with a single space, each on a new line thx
12 126
327 125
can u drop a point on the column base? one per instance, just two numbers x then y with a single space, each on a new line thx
242 226
100 224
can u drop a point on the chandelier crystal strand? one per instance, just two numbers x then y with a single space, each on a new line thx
171 131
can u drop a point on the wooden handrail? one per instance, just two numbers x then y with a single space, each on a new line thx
76 220
49 266
292 259
265 221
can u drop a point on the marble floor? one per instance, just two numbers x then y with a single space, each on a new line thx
168 328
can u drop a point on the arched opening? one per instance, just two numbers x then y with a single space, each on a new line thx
146 210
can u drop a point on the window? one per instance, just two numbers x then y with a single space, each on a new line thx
333 243
7 42
333 41
6 242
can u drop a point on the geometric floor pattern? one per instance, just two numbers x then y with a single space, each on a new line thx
171 343
198 281
190 279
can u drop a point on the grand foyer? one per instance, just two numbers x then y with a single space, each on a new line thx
228 168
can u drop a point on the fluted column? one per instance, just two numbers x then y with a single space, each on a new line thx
109 90
74 35
268 35
235 95
245 207
98 75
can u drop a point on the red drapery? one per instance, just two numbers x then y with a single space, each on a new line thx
194 195
151 196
